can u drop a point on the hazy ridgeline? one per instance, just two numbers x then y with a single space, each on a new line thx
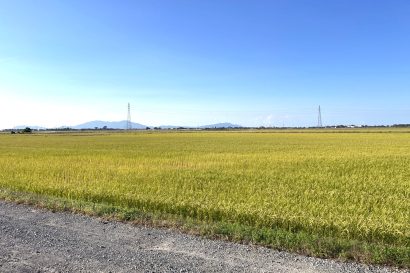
353 188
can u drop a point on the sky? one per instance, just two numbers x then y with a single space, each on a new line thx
188 62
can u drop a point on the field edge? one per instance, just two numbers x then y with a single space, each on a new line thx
279 239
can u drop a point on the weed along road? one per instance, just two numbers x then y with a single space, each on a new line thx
36 240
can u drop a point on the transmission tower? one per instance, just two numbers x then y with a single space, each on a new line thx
319 118
129 124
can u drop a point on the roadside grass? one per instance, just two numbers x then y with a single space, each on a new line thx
276 238
337 195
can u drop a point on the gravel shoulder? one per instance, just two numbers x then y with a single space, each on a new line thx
36 240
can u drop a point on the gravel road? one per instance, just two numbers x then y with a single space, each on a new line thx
35 240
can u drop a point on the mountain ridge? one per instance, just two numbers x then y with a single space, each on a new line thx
100 124
220 125
110 125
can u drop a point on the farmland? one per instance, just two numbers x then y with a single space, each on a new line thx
328 194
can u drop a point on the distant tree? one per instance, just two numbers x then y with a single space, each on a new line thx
147 128
105 127
12 132
27 130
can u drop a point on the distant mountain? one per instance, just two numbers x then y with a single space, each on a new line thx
220 125
110 124
172 127
20 127
123 124
210 126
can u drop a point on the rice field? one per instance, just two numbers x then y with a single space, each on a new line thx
350 188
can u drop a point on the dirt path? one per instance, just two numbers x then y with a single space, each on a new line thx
33 240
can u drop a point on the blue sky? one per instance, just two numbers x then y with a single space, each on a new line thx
199 62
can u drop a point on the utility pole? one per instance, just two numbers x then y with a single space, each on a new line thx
319 118
129 124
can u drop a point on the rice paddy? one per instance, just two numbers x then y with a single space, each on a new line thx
334 194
